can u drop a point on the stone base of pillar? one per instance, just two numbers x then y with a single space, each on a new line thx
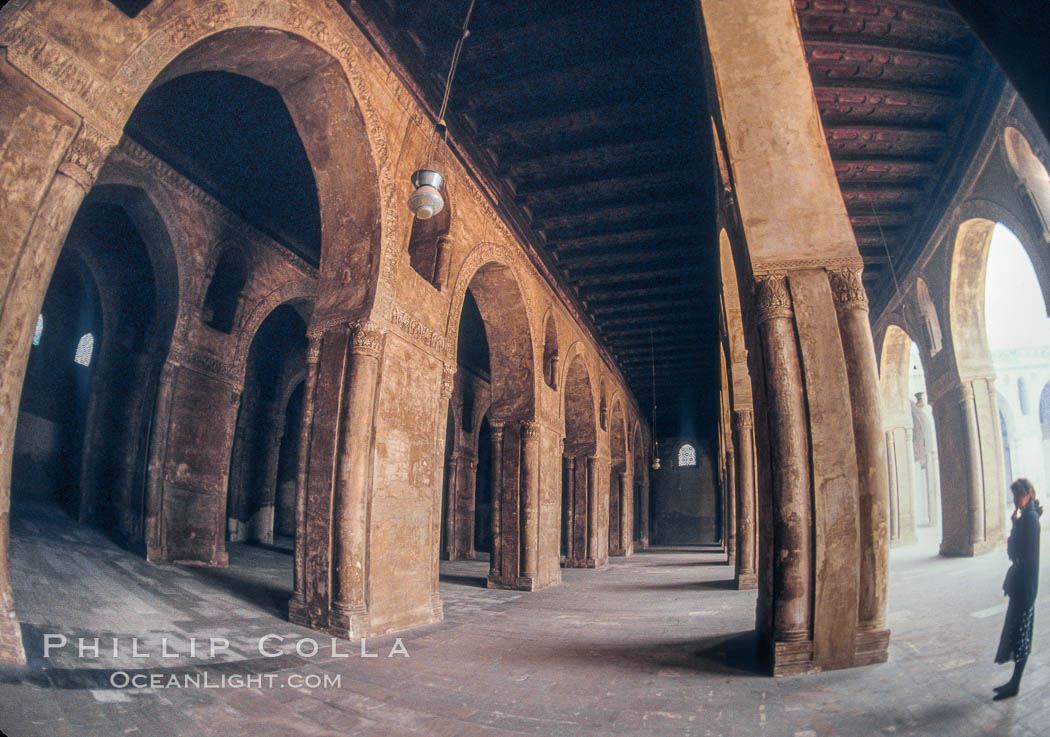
730 558
618 553
511 583
571 563
11 649
219 560
297 613
351 624
872 646
793 658
969 550
746 581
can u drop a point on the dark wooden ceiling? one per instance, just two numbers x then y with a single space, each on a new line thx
590 123
905 92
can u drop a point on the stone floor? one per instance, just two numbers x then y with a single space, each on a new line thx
656 644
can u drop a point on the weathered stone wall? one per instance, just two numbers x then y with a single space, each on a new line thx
382 338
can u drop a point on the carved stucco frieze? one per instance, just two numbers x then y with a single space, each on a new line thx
85 156
847 287
772 299
744 419
367 339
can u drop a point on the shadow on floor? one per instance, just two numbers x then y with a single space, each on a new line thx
476 581
733 654
245 585
722 584
688 564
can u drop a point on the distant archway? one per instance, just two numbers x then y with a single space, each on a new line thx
579 466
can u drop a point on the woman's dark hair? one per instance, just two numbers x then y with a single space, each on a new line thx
1022 488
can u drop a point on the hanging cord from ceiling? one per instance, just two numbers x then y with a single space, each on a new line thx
886 248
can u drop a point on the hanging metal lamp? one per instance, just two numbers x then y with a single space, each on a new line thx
427 201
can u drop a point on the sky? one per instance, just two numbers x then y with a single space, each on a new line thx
1014 305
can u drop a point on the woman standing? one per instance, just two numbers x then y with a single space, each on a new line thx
1021 584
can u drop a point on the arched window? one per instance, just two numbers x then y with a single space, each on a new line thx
428 247
39 331
85 348
224 292
686 456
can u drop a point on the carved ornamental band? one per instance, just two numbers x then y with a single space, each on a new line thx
367 339
85 156
744 419
772 299
848 288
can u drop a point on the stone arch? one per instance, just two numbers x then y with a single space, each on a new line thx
731 300
496 283
299 294
1008 216
966 311
620 503
965 401
894 378
640 480
319 97
275 363
522 555
579 465
894 371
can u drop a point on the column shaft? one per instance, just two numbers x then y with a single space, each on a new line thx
592 508
530 483
158 452
743 439
975 482
625 531
496 559
569 493
352 480
450 506
851 303
792 510
312 355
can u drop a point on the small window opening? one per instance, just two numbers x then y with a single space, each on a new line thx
686 456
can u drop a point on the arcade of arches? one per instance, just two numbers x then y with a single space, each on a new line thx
200 352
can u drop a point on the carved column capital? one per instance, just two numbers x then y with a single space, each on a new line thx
848 289
367 339
85 156
772 299
743 419
530 429
448 374
497 431
966 393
